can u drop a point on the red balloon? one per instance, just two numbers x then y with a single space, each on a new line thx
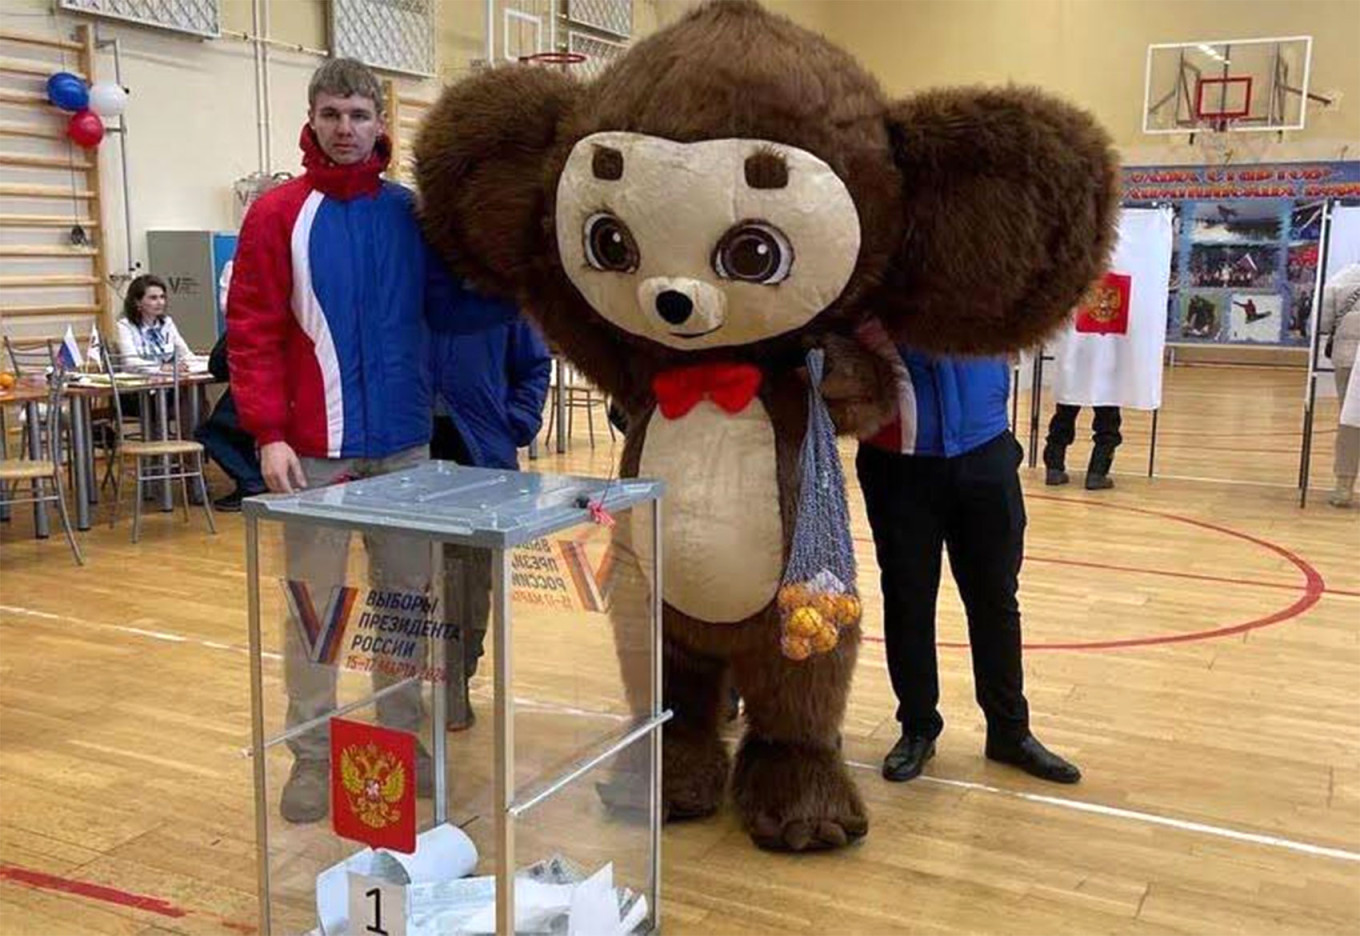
86 129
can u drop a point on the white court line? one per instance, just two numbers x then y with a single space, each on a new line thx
1184 825
140 632
214 645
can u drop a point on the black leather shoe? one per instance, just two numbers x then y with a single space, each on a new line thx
908 758
231 503
1055 476
1098 482
1033 758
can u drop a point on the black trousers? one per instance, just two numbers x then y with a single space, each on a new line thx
971 505
231 446
1062 432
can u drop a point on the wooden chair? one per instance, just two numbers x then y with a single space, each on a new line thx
45 468
156 460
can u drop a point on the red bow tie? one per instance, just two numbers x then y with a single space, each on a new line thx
730 386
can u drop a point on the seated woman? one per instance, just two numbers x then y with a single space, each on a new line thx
149 341
147 336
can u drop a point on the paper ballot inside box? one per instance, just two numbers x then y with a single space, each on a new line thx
442 853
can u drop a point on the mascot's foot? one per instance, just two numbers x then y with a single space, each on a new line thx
796 797
694 777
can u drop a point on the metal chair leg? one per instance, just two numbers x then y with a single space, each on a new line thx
117 491
137 504
65 517
184 485
203 492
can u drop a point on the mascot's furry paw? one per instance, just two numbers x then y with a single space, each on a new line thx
796 797
695 775
693 779
859 387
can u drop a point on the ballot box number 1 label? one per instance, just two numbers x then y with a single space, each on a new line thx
376 908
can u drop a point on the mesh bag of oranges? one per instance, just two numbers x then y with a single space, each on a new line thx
817 599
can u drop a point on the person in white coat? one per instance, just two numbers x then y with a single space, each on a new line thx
1340 321
146 333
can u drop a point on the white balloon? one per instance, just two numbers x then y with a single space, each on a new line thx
107 99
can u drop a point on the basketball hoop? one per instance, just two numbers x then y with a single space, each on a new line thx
562 59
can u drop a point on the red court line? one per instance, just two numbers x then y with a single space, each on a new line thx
1199 577
1138 429
1311 590
1253 450
111 895
1144 570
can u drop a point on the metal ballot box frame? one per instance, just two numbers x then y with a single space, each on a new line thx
435 506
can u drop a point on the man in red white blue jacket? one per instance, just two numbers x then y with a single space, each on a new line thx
328 350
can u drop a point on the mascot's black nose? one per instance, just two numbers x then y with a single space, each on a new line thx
674 306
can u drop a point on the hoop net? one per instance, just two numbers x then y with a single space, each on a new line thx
1221 146
562 60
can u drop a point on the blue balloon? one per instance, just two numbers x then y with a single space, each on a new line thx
68 92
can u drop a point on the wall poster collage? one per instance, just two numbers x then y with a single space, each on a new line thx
1245 246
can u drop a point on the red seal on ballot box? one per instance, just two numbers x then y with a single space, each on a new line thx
373 785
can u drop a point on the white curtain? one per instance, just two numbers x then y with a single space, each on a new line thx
1120 362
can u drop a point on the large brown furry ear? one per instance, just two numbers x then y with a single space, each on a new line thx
479 164
1010 201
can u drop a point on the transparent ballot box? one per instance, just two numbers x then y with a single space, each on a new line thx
456 704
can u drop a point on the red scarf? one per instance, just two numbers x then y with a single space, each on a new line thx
343 182
730 386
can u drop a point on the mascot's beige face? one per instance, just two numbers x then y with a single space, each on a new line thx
704 245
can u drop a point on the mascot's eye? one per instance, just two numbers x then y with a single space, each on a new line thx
753 252
610 245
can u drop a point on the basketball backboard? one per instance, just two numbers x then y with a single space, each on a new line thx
1227 85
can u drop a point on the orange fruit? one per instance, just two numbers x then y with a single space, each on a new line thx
796 648
826 605
792 597
825 639
848 610
6 381
804 622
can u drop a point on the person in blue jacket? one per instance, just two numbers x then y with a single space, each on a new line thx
944 475
490 388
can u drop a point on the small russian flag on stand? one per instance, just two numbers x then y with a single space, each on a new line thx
68 355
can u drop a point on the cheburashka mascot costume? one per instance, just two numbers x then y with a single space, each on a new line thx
730 192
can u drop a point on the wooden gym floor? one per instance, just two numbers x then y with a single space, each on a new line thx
1194 646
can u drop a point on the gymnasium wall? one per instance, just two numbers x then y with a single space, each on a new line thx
193 123
1093 51
192 118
